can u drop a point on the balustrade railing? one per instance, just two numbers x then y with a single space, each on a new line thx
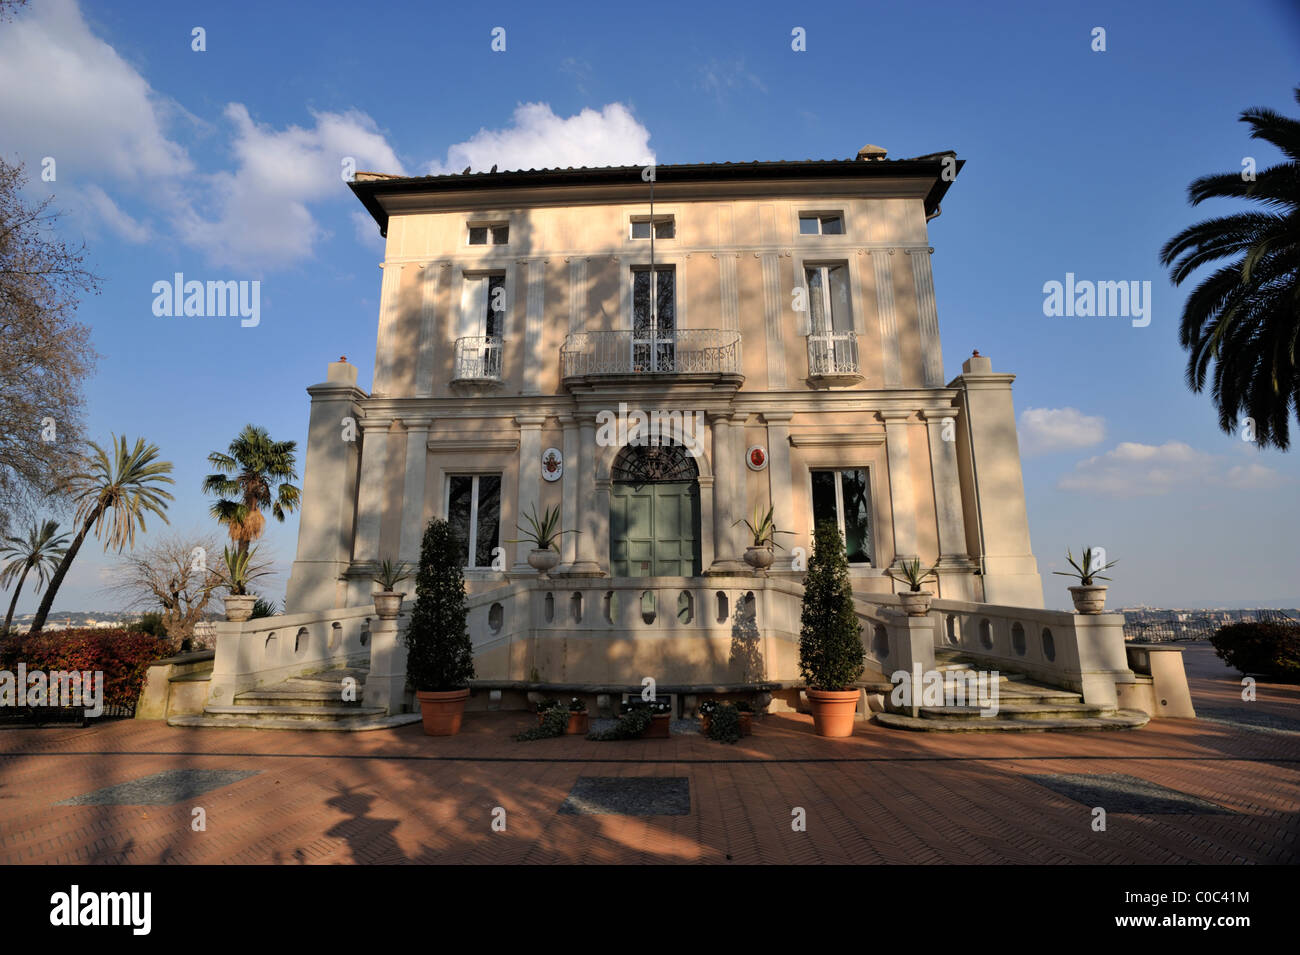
686 351
833 354
478 358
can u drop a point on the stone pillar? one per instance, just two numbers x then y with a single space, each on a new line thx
726 558
589 523
530 469
386 681
947 486
989 455
779 480
417 458
911 650
370 495
569 496
326 517
902 500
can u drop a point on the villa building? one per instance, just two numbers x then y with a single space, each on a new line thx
767 334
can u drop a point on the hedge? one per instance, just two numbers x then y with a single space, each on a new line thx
124 657
1267 649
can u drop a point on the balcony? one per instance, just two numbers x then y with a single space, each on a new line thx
477 363
699 353
833 358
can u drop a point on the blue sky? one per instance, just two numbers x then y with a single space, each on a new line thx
225 164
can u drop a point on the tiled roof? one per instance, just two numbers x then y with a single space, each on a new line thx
369 186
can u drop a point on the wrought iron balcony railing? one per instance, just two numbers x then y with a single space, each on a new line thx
478 359
687 351
833 355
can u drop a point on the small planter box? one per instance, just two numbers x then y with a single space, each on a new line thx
660 727
746 723
578 724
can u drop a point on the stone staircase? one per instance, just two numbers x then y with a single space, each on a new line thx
310 702
1023 706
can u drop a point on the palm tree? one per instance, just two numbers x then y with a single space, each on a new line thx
40 551
254 476
123 484
1245 317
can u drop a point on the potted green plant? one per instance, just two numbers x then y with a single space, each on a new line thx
388 603
240 572
762 531
724 724
831 655
1087 596
659 725
915 601
440 657
707 709
544 534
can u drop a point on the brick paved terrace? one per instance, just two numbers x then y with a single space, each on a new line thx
1225 789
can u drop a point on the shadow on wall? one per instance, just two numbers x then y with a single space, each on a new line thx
746 662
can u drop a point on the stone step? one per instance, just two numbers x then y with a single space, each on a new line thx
1118 720
297 696
315 713
1020 711
358 725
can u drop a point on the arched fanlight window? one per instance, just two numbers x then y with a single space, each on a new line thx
653 464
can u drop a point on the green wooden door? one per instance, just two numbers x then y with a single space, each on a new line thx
654 529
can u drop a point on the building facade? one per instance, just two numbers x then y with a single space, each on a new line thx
766 334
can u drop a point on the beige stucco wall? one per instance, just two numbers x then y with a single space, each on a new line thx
738 260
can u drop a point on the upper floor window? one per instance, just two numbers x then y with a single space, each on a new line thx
497 234
665 227
483 306
828 299
814 223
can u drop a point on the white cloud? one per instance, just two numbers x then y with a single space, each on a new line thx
1139 470
538 139
69 95
259 214
95 207
1043 430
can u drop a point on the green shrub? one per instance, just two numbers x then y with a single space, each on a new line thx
555 720
724 723
831 655
440 656
634 721
1267 649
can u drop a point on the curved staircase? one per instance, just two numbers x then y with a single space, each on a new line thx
1023 706
311 702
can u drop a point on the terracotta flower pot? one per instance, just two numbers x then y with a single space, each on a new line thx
1091 599
760 558
579 724
746 724
705 722
660 727
543 560
916 603
833 711
388 604
442 711
239 607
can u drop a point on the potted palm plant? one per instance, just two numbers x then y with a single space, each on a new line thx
544 534
440 657
240 572
763 531
1088 597
915 601
831 655
388 603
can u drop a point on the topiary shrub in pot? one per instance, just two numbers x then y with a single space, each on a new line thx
440 658
831 655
